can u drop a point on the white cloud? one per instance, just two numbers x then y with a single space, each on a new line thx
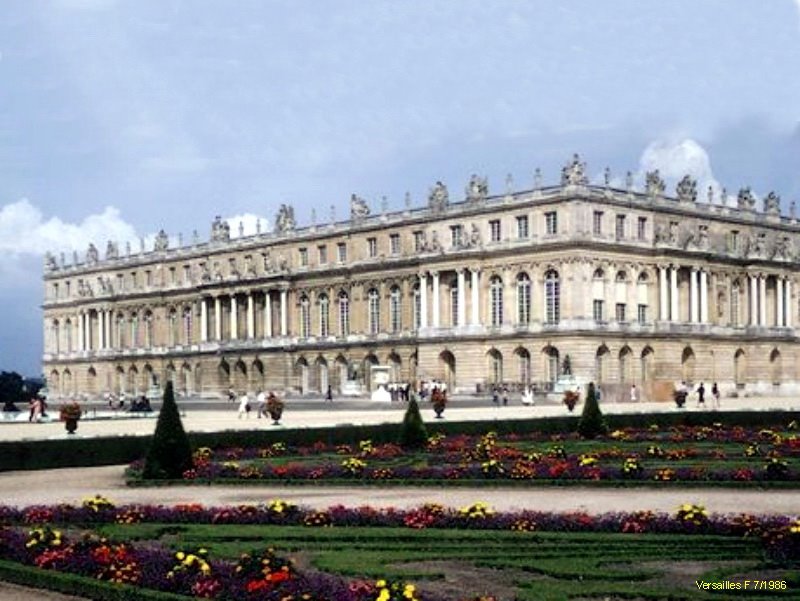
676 158
24 230
797 4
251 224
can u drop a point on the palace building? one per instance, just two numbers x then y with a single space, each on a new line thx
617 285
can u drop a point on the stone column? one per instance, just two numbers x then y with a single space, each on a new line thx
663 289
788 291
284 314
267 315
81 346
693 318
234 318
779 321
752 300
476 299
462 299
109 329
203 320
704 296
435 300
674 313
217 318
251 316
423 300
762 300
101 330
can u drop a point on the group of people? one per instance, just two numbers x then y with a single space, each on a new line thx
263 401
37 408
701 393
139 404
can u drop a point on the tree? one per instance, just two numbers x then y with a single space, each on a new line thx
413 434
592 422
12 390
170 453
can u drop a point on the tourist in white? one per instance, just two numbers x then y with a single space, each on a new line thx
527 396
244 406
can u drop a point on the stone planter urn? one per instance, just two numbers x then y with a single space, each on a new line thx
71 424
275 414
438 409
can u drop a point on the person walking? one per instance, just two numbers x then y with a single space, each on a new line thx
701 395
261 404
329 395
715 394
244 406
505 395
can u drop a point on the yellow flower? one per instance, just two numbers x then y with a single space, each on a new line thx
180 555
380 583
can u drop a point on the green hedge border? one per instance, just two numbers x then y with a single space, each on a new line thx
115 450
75 585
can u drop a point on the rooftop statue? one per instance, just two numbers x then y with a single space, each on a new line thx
284 220
745 200
654 185
772 204
112 250
574 173
438 197
50 261
92 256
686 190
220 230
477 188
162 241
359 209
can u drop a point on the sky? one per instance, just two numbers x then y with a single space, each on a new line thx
120 118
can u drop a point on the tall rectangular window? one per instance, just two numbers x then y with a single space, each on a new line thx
620 311
641 229
394 244
522 227
734 241
642 314
303 257
620 229
323 255
173 277
187 274
341 252
454 306
419 239
494 230
372 247
551 223
597 223
597 310
455 236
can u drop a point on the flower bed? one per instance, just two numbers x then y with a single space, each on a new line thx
94 541
709 454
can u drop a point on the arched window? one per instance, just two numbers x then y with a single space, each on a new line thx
187 325
324 316
496 292
134 341
148 329
621 276
523 299
68 335
735 302
552 297
496 367
524 364
374 310
344 314
598 274
395 309
417 318
305 317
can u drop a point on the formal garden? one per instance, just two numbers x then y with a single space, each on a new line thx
278 550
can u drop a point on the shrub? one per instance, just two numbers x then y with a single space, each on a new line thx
170 453
413 434
592 422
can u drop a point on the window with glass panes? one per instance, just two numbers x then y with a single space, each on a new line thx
372 247
344 314
455 235
394 244
641 228
552 297
551 222
305 317
454 305
324 310
341 252
417 307
323 254
496 292
522 227
395 309
642 314
494 230
523 299
374 310
735 299
597 223
598 310
620 228
419 237
303 257
620 311
187 325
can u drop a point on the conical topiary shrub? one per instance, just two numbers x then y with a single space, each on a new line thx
592 422
170 453
413 434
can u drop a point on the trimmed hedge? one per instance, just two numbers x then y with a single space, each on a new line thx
115 450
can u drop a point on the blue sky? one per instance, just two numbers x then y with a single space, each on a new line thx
120 118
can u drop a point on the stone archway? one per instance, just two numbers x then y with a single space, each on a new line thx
302 375
447 369
775 367
740 368
688 363
240 377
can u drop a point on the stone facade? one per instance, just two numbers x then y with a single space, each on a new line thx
633 287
